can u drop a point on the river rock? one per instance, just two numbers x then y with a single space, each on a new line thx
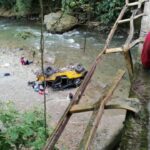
49 60
59 22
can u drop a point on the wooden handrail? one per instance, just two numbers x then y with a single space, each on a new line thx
127 20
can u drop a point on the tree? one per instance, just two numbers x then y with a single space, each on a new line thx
21 129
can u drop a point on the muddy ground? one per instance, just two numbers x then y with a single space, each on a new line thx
15 88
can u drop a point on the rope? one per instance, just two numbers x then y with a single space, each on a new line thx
42 64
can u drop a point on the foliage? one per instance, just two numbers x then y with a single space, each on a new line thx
104 11
25 35
23 6
72 6
107 10
21 129
7 3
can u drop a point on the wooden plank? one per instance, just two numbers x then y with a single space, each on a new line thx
113 29
88 128
120 49
131 32
127 2
121 106
82 108
114 50
97 114
91 107
127 53
127 20
59 128
135 42
129 63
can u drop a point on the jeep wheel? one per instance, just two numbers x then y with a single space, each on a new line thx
77 82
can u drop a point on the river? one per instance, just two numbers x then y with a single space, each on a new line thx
67 48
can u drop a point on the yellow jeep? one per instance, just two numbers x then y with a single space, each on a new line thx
70 76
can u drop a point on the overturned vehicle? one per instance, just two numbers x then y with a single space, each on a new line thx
70 76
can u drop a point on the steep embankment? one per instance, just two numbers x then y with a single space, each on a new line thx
136 126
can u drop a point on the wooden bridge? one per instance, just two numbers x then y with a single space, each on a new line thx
100 105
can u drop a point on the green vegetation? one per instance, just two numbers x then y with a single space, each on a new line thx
24 35
8 4
104 11
23 6
108 10
21 130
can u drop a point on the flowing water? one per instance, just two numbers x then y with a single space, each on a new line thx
67 48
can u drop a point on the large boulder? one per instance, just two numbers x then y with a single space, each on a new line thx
59 22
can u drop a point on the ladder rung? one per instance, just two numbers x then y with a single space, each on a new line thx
127 20
81 108
90 107
114 50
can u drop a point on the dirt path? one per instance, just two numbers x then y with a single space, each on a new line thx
15 88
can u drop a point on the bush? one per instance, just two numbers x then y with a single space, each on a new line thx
23 6
105 11
19 130
8 4
108 10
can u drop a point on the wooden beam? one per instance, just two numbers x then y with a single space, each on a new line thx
121 106
127 53
97 114
127 2
82 108
114 50
131 32
127 20
129 63
79 108
120 49
113 29
135 42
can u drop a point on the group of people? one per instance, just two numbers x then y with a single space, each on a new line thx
39 87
